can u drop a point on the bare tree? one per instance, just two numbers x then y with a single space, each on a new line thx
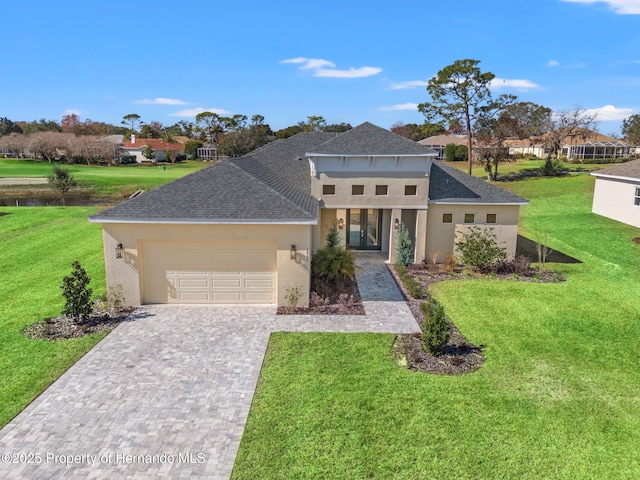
15 142
46 144
568 125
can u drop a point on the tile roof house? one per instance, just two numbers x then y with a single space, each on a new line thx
243 230
136 147
439 143
617 192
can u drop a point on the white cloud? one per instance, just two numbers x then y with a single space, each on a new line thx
319 68
192 112
518 84
623 7
72 111
409 84
402 106
160 101
609 113
571 66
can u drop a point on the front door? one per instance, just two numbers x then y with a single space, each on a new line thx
363 228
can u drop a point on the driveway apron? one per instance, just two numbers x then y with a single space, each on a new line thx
167 394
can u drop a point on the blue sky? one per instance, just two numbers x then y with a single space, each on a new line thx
349 61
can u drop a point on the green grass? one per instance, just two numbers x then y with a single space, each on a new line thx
527 164
559 396
108 181
38 246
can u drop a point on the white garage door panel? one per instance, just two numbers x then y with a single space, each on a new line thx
209 272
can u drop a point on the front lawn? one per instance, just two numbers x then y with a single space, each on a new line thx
558 396
38 246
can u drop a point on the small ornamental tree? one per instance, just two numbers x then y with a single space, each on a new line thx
479 248
77 293
149 153
62 181
435 330
404 248
333 237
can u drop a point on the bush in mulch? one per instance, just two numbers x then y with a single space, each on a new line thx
102 319
636 240
339 297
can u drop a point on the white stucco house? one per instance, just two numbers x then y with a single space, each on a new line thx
136 147
243 230
617 192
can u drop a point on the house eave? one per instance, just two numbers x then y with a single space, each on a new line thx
464 202
196 221
616 177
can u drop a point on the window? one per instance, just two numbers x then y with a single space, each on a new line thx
447 218
470 218
357 189
382 189
492 218
410 189
328 189
637 199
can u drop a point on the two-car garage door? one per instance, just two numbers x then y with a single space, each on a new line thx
208 272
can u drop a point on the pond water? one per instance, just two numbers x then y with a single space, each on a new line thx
48 201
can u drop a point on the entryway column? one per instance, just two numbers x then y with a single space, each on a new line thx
421 236
396 214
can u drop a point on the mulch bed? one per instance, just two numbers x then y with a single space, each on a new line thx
353 306
460 356
64 327
636 240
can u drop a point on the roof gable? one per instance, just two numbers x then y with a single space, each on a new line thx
369 139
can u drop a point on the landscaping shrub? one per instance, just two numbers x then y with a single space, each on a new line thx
450 263
404 249
520 265
333 237
292 296
76 293
551 168
128 159
435 330
414 288
479 248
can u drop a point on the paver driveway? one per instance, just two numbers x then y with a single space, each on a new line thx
168 393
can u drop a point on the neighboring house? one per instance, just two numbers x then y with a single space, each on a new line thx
617 192
583 145
439 143
533 146
136 147
243 230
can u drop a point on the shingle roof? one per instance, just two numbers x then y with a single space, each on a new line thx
272 184
369 139
268 185
628 170
450 185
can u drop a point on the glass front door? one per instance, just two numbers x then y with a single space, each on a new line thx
363 228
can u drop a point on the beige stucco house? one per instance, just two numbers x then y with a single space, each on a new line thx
617 192
243 230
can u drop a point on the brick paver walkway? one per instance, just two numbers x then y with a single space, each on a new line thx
168 393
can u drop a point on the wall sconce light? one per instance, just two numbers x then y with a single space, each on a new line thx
292 252
341 223
396 224
119 250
